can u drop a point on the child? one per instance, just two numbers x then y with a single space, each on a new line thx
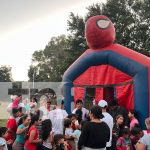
136 134
124 142
33 105
59 142
74 119
3 145
21 131
116 132
69 134
132 117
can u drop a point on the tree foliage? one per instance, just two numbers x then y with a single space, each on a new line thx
51 62
132 22
5 74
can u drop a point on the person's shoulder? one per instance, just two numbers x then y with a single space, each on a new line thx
104 124
106 114
146 136
64 113
74 111
21 126
2 141
84 109
33 128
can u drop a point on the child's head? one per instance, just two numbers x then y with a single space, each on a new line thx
73 117
137 132
132 113
15 112
2 131
67 123
58 139
120 119
24 120
126 133
34 99
147 123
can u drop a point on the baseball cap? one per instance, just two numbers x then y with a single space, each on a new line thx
59 101
102 103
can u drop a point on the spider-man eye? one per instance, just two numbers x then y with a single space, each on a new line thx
103 24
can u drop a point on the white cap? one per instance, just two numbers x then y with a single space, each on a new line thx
102 103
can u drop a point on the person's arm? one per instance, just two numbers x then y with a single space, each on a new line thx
2 147
51 136
65 145
140 146
11 131
21 130
119 144
83 136
31 137
74 111
108 133
11 125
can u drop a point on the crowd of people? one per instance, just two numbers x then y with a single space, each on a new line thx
106 126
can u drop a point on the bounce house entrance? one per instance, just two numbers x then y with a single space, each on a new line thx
108 93
92 94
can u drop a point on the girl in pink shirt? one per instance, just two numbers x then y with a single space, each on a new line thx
133 120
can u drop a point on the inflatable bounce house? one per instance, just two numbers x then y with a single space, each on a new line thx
111 69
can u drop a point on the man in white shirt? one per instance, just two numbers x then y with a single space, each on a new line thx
57 117
79 106
108 119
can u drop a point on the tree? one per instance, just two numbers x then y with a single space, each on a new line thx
5 74
76 38
51 62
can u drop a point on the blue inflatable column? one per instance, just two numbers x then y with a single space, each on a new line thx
141 102
68 95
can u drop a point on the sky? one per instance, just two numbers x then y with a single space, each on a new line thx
28 25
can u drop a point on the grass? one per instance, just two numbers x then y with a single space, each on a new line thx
3 122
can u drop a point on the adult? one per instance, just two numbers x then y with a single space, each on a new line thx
57 117
32 134
95 134
80 110
47 135
108 119
45 104
144 142
115 110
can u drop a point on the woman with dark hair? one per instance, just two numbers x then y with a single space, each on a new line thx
32 134
95 134
21 130
47 134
